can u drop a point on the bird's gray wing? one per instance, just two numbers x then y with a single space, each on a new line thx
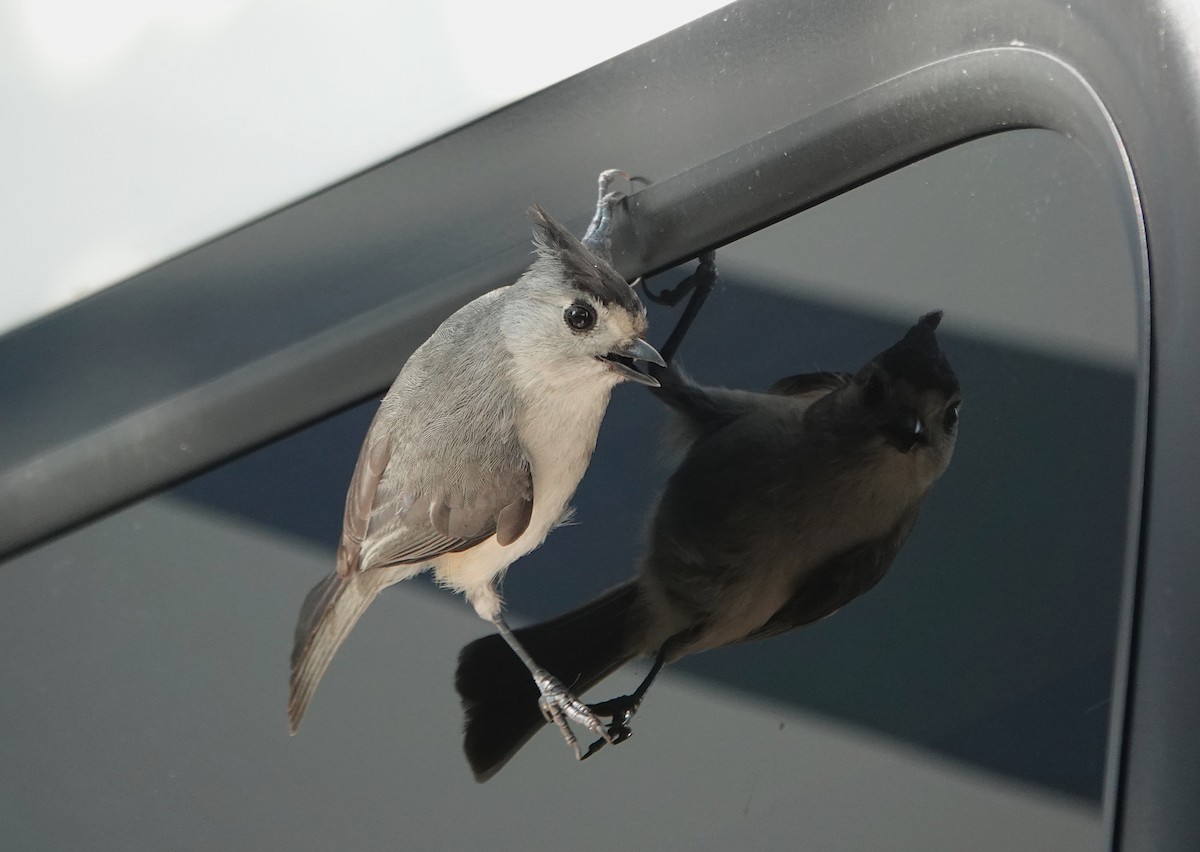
838 580
706 410
702 411
392 518
810 384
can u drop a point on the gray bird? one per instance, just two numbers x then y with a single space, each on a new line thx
787 505
479 445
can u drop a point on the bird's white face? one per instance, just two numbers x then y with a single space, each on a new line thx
571 321
559 334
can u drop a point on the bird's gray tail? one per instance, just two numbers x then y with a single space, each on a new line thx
329 612
580 648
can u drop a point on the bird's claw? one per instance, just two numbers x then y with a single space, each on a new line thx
561 707
597 238
621 711
703 278
608 176
617 734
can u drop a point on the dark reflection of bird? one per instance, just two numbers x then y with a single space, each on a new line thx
787 505
477 448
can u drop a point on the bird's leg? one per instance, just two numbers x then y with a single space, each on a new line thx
597 237
700 283
557 704
621 709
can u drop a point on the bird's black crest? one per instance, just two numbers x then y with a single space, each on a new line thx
918 359
586 271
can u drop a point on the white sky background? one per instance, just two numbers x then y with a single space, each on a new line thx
133 129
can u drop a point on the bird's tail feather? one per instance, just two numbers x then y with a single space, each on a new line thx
580 648
329 612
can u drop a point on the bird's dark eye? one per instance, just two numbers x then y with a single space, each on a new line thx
873 392
579 316
950 418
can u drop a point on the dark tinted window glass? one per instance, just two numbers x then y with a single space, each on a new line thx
963 703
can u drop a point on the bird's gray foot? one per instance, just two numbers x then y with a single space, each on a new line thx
621 711
702 280
700 283
597 238
561 707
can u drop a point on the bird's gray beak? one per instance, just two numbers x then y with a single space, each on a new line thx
907 432
621 359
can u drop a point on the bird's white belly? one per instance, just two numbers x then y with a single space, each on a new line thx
559 441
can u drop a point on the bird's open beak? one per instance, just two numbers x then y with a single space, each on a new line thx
621 359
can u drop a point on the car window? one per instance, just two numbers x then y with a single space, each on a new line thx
962 703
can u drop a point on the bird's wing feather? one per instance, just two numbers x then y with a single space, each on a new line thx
413 528
702 410
810 384
441 468
360 498
390 521
838 581
706 410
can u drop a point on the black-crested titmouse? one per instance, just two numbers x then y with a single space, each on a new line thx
787 505
479 445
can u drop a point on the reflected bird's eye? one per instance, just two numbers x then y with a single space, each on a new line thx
950 420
